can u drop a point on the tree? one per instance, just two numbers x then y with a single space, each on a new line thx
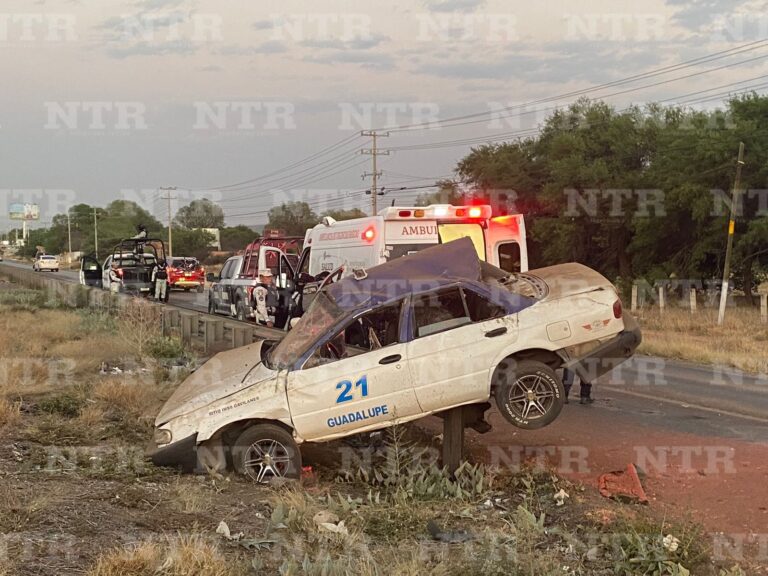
448 193
341 214
236 238
194 243
200 214
292 218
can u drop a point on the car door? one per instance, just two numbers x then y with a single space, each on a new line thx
220 296
457 333
356 380
105 281
90 271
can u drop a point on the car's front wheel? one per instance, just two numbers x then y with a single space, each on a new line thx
528 393
265 452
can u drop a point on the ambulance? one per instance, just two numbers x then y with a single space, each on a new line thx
398 231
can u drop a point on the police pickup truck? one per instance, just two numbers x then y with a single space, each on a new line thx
231 291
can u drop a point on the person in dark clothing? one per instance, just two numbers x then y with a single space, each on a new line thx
585 389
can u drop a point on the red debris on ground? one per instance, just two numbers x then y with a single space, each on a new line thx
623 485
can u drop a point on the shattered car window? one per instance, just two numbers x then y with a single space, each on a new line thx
320 317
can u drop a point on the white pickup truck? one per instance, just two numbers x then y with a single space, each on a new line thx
412 337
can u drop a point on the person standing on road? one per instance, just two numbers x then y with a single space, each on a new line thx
265 297
585 389
160 281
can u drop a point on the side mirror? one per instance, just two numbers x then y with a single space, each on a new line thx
210 277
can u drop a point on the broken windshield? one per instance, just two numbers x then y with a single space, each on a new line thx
321 316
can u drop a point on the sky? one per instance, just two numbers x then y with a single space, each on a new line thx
226 99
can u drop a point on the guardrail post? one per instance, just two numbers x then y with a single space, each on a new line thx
187 320
241 336
693 300
662 299
764 308
633 307
213 331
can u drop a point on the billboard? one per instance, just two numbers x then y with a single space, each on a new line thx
24 212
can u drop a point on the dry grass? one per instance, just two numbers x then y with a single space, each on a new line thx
182 556
139 324
742 340
189 497
10 414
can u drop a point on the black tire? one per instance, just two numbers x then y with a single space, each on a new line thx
200 289
264 452
528 393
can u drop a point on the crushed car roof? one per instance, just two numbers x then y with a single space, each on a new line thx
426 270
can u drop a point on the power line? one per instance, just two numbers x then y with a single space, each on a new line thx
748 47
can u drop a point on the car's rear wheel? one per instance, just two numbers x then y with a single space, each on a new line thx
528 393
266 452
200 289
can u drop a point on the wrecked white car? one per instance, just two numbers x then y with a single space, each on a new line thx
412 337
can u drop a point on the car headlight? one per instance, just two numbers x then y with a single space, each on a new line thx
163 436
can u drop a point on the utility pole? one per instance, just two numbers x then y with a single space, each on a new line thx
731 228
95 234
375 153
169 189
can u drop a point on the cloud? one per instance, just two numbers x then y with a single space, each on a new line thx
695 14
269 47
263 25
378 61
211 68
454 5
561 62
362 43
160 4
178 48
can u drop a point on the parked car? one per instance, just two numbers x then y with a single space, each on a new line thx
46 262
418 335
186 273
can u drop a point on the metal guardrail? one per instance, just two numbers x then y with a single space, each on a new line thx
208 331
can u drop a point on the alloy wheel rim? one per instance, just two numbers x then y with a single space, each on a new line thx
531 397
266 459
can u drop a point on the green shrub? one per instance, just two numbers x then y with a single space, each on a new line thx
65 405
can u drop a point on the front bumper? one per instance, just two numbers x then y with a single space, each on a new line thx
182 453
609 354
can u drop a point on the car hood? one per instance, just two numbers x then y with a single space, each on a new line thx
223 375
570 279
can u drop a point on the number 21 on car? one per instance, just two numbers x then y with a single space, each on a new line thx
356 393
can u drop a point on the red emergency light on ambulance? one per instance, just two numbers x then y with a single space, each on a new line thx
399 231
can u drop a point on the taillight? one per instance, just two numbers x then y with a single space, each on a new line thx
617 309
475 212
404 213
